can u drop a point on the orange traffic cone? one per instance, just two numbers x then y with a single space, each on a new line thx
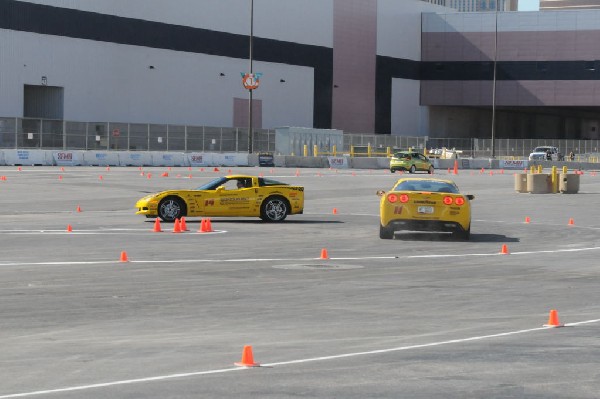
157 228
183 225
324 254
455 167
124 257
78 208
59 177
335 211
504 250
165 174
100 177
571 222
208 226
297 172
177 226
553 320
69 228
527 219
247 358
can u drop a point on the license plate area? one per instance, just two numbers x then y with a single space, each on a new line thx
425 209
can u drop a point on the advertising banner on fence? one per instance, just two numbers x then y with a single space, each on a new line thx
68 158
338 162
514 164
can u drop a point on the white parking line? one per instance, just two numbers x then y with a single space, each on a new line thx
285 363
359 258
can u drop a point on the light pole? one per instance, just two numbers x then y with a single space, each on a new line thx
250 132
494 85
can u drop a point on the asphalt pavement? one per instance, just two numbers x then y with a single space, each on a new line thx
420 316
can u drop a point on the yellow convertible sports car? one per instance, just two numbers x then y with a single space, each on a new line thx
425 204
235 195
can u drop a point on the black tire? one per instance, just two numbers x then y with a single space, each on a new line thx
463 235
386 233
171 208
274 209
412 169
393 170
430 171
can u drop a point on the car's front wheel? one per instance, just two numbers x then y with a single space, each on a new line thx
430 171
171 208
386 233
274 209
412 169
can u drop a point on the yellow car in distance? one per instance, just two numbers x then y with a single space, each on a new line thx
235 195
425 204
410 161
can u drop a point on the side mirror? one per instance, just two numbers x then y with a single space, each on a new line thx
471 197
380 193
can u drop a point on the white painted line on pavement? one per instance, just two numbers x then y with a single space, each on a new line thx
284 363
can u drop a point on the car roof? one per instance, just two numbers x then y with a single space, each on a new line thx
431 179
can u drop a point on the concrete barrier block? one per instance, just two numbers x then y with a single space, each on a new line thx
28 157
101 158
68 158
132 158
169 159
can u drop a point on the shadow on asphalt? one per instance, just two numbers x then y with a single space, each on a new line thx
253 221
426 236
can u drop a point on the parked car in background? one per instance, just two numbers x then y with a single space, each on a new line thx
546 153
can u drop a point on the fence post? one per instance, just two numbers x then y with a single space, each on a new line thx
334 148
369 150
305 150
315 150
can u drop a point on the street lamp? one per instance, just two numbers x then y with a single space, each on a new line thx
250 132
494 84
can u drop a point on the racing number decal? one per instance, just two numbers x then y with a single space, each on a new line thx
209 202
397 210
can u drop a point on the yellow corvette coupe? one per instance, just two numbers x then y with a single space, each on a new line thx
235 195
425 204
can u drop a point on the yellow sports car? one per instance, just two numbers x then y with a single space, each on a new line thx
235 195
425 204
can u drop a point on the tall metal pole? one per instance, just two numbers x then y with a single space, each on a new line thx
494 86
250 132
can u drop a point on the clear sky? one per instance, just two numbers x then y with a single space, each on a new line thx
529 5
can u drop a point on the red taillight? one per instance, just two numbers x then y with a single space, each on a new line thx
404 198
392 198
457 200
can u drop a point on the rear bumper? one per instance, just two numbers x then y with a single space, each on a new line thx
426 225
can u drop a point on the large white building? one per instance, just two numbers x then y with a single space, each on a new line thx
407 67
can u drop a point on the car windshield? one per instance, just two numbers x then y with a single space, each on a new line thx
213 184
426 185
541 149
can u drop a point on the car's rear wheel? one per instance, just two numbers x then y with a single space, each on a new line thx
412 169
171 208
430 171
274 209
393 170
386 233
462 234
